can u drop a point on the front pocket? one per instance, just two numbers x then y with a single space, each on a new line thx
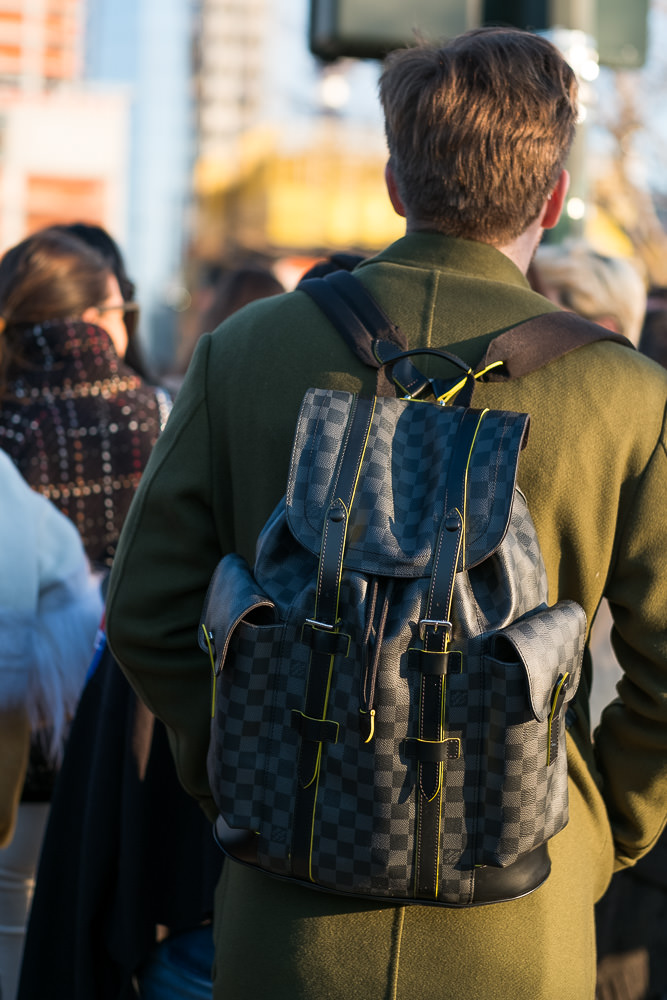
260 674
239 628
530 672
240 729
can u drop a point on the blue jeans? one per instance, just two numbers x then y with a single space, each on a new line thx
180 968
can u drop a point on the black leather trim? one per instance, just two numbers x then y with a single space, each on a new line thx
436 752
316 730
323 641
431 663
493 885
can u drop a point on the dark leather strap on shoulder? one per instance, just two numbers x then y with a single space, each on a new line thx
371 335
365 328
532 344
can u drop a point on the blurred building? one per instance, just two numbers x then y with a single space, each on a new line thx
63 151
40 42
199 132
143 48
290 152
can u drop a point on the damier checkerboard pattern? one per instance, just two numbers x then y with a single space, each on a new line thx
500 798
398 506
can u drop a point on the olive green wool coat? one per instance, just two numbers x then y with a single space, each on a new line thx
595 476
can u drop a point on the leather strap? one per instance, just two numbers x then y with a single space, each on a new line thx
325 619
372 336
366 329
532 344
435 631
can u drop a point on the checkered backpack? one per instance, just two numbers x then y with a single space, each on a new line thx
390 682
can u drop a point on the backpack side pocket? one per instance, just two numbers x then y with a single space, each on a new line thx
239 623
531 672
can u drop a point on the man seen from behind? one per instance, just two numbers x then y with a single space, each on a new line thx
478 131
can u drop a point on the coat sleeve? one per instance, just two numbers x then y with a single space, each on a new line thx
631 741
171 541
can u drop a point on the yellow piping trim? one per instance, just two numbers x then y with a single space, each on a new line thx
312 824
212 659
437 856
316 775
551 714
347 510
417 829
451 393
494 364
465 483
316 772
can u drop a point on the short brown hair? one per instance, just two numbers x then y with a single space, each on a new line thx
478 130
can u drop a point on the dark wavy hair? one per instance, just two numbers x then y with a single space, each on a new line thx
50 275
97 237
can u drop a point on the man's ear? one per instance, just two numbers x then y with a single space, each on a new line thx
556 201
394 196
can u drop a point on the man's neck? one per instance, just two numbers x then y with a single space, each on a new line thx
520 251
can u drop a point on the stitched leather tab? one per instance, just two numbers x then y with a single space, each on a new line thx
316 730
325 641
435 752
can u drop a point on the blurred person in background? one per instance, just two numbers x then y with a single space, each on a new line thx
78 422
99 239
50 607
230 290
604 289
127 859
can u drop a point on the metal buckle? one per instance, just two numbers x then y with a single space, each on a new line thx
436 624
323 625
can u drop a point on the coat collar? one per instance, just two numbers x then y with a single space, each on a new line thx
434 251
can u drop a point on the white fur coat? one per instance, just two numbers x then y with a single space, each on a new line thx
50 607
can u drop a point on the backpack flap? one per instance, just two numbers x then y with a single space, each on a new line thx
401 494
542 643
232 596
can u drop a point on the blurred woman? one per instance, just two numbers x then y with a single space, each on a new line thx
99 239
232 290
50 608
127 862
75 418
607 290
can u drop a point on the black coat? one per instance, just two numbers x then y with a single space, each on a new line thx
126 851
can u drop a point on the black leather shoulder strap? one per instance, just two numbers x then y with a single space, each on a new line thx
372 336
365 328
